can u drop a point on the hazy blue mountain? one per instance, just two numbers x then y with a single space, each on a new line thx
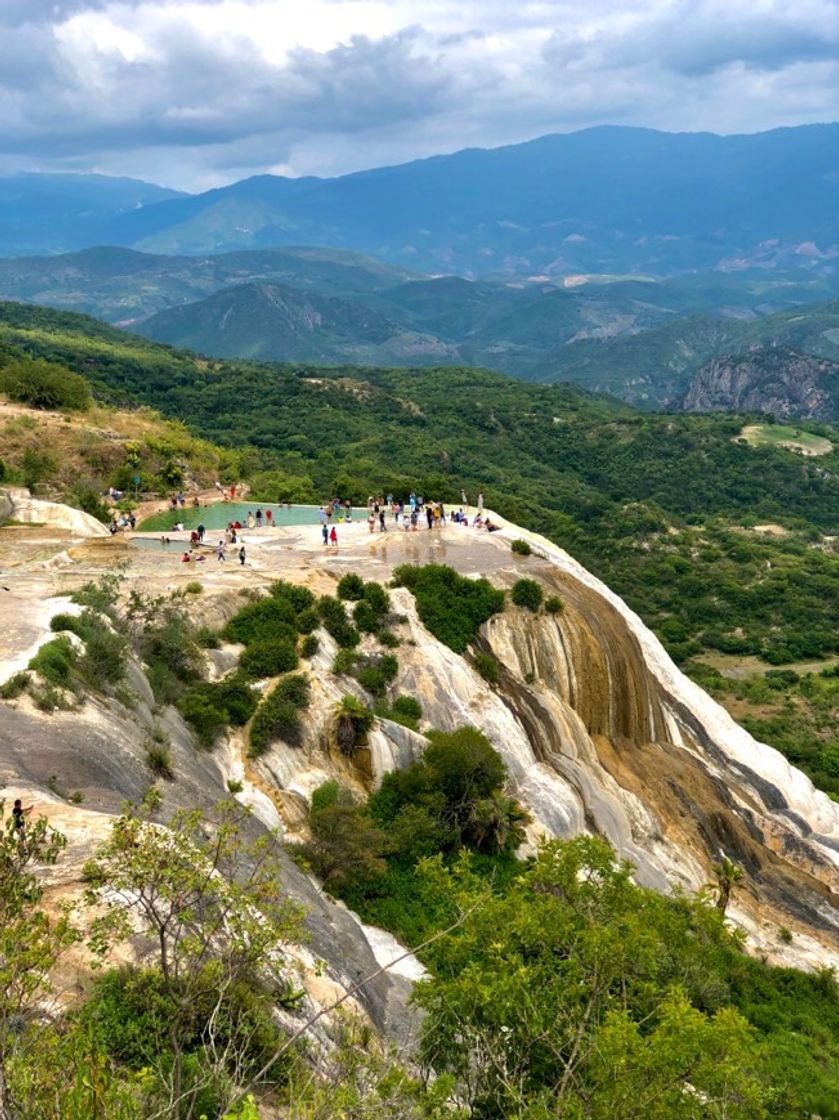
124 286
602 200
53 213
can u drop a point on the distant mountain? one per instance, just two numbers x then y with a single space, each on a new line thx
654 368
53 213
610 200
275 321
123 286
603 200
782 382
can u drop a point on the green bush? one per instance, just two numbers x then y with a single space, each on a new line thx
14 686
278 716
44 385
207 638
408 706
521 548
300 598
211 708
554 605
269 657
405 710
270 617
334 616
310 645
451 606
389 639
527 593
344 663
308 620
487 666
159 761
365 618
55 662
377 598
376 673
350 586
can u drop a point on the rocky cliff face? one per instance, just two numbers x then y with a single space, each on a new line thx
599 730
776 380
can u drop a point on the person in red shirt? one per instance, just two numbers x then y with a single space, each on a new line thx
333 537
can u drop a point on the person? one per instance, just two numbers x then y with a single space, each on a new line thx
322 515
464 501
194 539
250 521
19 815
333 537
242 555
259 518
429 516
186 558
201 531
371 521
132 521
382 520
414 520
325 533
220 551
268 517
196 502
481 502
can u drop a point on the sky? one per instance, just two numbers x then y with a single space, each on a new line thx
197 93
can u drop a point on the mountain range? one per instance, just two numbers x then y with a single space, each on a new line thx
606 200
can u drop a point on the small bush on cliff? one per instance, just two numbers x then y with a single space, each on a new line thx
333 614
266 619
527 593
278 716
554 605
452 607
269 657
487 666
350 586
521 548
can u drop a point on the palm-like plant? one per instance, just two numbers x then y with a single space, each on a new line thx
728 874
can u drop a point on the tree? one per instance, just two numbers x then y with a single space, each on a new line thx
346 847
728 875
566 996
31 941
210 904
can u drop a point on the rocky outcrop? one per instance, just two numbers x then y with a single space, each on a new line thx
34 511
775 380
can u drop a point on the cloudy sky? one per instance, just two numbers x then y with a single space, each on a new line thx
196 93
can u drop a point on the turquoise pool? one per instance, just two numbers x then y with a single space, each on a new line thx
217 516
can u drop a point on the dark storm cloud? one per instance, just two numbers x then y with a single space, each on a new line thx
203 88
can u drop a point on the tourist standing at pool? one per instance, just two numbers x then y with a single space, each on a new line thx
268 516
333 537
220 551
201 531
325 534
259 519
382 520
242 555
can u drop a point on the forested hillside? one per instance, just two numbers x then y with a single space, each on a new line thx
671 511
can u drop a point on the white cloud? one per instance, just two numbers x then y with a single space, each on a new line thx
200 92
